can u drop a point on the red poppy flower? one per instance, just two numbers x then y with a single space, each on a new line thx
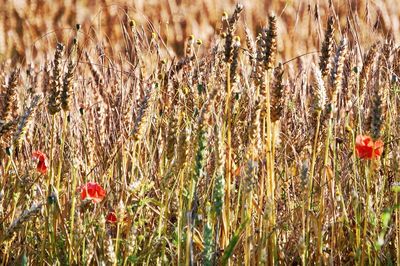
367 148
42 162
111 218
92 191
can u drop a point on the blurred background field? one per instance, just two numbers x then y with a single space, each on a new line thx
29 27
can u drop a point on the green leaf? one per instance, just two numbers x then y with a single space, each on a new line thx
395 187
385 217
24 260
233 242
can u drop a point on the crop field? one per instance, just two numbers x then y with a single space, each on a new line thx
207 132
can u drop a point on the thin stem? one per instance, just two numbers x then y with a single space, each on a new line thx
228 165
310 189
61 158
366 215
270 176
72 218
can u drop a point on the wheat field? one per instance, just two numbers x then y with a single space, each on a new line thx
206 132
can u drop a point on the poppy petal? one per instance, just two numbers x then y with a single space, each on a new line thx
111 217
42 162
366 148
92 191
